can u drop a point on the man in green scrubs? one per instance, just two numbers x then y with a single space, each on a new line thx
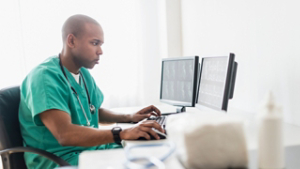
60 103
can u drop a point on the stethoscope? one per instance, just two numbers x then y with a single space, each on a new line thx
152 161
92 107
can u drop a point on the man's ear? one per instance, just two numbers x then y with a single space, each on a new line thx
71 40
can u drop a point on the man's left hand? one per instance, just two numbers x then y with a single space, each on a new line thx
145 113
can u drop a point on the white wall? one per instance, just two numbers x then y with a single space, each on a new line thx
264 35
135 42
11 53
173 27
151 49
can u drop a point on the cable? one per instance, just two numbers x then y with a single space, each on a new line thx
153 161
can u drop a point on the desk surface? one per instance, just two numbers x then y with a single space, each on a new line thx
107 158
291 132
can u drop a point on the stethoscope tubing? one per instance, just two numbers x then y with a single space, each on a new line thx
131 159
87 121
92 108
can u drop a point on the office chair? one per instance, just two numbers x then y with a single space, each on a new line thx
11 141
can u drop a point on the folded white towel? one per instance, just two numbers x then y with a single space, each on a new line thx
209 142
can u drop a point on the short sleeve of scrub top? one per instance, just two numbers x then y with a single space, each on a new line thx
47 92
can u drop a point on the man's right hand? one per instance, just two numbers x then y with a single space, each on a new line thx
142 129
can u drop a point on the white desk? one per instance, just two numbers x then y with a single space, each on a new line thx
115 158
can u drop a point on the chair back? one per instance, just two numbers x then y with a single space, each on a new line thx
10 134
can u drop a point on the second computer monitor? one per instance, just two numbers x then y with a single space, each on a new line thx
179 81
217 79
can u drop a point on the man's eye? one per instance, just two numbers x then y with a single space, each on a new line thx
95 43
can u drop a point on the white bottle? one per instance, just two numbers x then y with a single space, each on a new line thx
270 136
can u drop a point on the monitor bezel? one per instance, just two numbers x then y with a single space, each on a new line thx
227 89
195 81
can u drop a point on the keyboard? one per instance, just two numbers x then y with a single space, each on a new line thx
160 120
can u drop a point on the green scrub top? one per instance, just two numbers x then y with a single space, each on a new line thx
44 88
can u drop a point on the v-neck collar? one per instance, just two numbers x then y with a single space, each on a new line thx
76 77
78 86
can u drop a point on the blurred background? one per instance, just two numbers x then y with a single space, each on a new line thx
264 35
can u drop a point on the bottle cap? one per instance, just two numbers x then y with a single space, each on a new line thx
269 102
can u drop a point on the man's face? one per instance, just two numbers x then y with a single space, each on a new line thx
88 49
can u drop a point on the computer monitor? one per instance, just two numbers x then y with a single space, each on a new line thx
216 82
179 78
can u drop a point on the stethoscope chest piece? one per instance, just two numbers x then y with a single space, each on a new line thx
92 109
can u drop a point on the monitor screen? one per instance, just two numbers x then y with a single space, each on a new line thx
179 81
216 82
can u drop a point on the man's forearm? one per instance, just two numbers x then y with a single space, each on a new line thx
76 135
109 116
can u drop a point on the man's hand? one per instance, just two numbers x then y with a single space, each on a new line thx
145 113
142 129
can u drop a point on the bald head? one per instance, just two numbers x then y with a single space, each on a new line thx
76 25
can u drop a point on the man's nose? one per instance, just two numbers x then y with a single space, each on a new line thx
99 51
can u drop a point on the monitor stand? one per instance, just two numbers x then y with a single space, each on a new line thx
180 109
